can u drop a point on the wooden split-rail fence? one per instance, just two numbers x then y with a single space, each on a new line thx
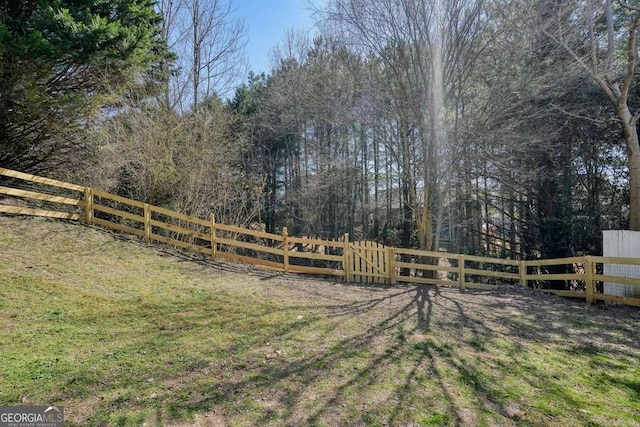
358 261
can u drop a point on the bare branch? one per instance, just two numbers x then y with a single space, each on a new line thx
577 116
632 55
604 85
626 6
610 42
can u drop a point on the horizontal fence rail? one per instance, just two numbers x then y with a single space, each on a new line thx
588 277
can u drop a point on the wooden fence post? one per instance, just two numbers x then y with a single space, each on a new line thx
212 219
346 258
523 272
147 223
285 249
88 205
590 284
391 253
461 274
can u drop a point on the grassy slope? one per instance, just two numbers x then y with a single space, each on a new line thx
122 334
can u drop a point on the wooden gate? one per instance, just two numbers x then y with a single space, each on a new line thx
369 262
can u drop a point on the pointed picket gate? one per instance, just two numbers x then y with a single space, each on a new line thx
369 262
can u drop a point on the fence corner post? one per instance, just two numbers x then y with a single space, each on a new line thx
212 219
147 223
346 258
88 205
461 274
522 267
589 282
285 249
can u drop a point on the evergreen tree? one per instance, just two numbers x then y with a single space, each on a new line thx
60 63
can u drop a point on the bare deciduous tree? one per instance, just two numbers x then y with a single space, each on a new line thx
210 45
608 53
425 49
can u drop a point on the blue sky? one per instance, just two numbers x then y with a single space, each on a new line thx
267 21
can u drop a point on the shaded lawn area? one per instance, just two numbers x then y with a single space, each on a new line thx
124 334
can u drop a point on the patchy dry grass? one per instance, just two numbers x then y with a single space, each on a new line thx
124 334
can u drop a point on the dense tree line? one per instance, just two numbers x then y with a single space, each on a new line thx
522 154
499 127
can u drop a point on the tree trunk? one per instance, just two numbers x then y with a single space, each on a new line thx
630 132
408 189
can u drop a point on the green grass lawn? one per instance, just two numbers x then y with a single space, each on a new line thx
125 334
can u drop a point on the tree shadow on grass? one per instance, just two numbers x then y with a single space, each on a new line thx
400 352
542 351
367 354
394 355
